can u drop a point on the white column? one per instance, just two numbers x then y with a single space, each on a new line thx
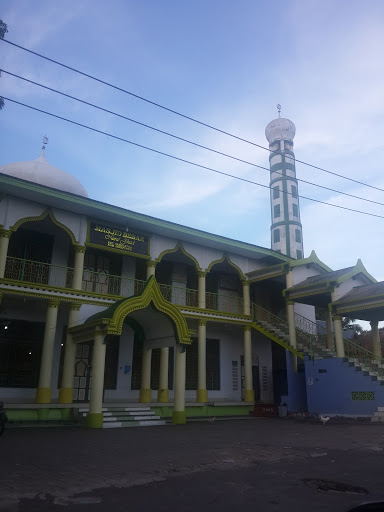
340 352
376 339
202 394
292 332
249 395
145 390
43 392
4 242
178 414
78 269
246 298
163 391
66 389
95 414
201 287
151 268
328 325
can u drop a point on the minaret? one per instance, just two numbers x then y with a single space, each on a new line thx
286 229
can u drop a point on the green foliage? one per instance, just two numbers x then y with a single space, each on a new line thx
347 324
3 29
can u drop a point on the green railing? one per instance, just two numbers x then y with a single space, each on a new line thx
37 272
103 283
180 296
317 332
263 316
226 303
305 340
368 360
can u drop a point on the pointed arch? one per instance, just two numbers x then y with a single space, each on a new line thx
227 259
112 319
46 213
180 246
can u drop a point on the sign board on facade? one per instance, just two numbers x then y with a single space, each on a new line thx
112 238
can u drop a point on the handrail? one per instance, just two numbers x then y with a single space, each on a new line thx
351 349
39 272
311 342
104 283
222 302
307 325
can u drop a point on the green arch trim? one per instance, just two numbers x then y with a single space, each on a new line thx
226 258
113 318
47 213
178 246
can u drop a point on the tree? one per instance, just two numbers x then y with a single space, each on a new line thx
347 324
3 29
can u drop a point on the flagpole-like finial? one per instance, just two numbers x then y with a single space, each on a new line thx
45 142
279 108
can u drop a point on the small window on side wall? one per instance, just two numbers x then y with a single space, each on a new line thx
298 236
276 193
276 211
276 235
299 254
294 191
295 210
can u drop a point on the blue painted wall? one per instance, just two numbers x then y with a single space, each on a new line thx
297 395
330 383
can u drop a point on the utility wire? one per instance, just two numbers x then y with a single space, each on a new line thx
180 114
181 138
184 160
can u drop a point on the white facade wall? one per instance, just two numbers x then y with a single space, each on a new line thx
348 285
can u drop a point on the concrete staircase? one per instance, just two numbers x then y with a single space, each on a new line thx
378 416
312 342
121 417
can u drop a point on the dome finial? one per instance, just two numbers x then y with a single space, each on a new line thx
45 142
279 108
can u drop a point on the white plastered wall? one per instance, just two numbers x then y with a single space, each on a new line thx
347 285
13 209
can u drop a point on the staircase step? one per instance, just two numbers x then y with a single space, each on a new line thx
129 417
138 423
128 413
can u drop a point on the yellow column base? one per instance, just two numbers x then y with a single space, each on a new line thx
43 396
65 395
249 395
163 395
145 396
202 395
179 418
94 420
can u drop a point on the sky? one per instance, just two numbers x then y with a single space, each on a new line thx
228 64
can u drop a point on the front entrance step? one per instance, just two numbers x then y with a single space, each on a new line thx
123 424
121 417
378 416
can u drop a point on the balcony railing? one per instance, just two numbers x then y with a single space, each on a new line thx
102 283
37 272
227 303
180 296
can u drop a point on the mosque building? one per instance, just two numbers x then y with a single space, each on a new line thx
115 318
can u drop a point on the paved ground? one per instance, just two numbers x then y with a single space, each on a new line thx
267 464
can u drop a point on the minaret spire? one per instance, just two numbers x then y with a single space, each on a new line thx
286 228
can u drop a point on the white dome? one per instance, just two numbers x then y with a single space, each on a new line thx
279 129
42 172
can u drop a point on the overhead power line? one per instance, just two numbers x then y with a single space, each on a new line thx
181 138
181 114
183 159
